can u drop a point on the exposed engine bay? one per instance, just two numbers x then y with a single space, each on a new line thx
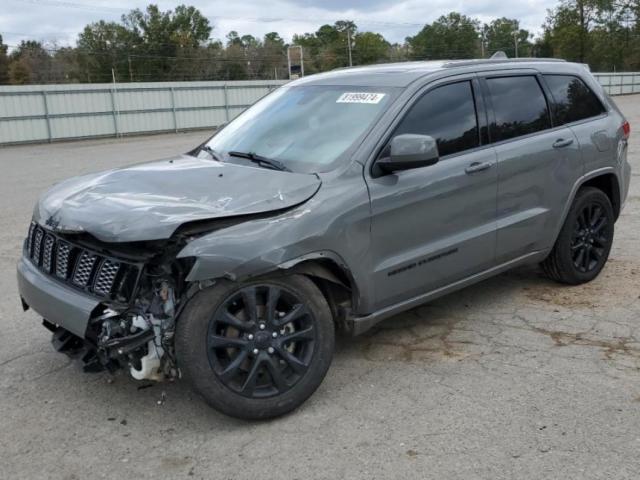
138 338
133 327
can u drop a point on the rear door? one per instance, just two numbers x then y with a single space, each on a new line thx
538 163
576 106
434 225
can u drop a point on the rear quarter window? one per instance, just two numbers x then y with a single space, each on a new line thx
519 105
573 99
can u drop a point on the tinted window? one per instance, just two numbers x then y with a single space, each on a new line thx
573 99
448 114
519 105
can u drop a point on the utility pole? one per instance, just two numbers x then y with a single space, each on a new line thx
130 69
349 46
483 34
515 41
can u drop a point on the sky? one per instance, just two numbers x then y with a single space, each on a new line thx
60 21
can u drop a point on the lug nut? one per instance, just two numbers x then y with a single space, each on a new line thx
270 350
274 334
250 336
255 351
262 326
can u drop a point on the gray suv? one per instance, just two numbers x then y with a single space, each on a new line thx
333 203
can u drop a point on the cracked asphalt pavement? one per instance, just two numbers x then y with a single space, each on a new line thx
516 377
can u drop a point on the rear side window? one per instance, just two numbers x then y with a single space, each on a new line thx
448 114
573 99
520 107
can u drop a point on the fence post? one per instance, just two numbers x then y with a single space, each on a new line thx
226 103
114 112
173 109
46 115
621 83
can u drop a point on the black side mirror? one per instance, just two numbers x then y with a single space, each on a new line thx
409 151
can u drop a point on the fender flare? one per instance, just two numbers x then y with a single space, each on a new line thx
574 191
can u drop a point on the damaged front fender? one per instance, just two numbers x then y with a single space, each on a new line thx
308 232
246 249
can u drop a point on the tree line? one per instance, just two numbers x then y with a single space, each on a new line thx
176 45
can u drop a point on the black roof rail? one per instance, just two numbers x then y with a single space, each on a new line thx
488 61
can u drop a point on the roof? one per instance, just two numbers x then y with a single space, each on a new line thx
402 74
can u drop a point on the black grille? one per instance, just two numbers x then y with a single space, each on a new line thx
80 267
62 259
106 277
47 253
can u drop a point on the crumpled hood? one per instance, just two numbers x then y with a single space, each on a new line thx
149 201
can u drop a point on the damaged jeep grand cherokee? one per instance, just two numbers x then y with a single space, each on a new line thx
335 202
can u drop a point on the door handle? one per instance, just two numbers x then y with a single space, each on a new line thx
561 142
477 167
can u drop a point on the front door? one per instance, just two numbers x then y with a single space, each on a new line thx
434 225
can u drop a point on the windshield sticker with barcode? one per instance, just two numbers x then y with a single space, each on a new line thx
360 97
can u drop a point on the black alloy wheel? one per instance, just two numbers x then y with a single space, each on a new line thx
261 340
590 237
582 248
256 349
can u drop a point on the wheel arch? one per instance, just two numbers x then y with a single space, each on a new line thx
609 184
334 279
604 179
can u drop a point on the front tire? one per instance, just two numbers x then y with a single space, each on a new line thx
582 248
258 349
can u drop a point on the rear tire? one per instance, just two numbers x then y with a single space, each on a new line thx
258 349
582 248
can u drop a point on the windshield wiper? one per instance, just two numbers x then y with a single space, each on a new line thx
260 160
215 155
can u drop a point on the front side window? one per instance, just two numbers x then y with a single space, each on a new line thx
519 105
306 128
446 113
573 99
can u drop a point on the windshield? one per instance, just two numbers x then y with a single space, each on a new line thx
306 128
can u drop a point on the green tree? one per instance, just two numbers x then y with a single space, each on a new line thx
30 63
502 33
19 72
65 65
568 28
328 47
451 36
103 46
4 63
235 60
168 40
274 56
370 48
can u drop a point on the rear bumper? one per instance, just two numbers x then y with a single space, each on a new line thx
55 302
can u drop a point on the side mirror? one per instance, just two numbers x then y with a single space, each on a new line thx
409 151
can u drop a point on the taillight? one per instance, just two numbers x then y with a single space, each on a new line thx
626 129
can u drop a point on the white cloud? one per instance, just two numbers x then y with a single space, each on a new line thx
61 21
